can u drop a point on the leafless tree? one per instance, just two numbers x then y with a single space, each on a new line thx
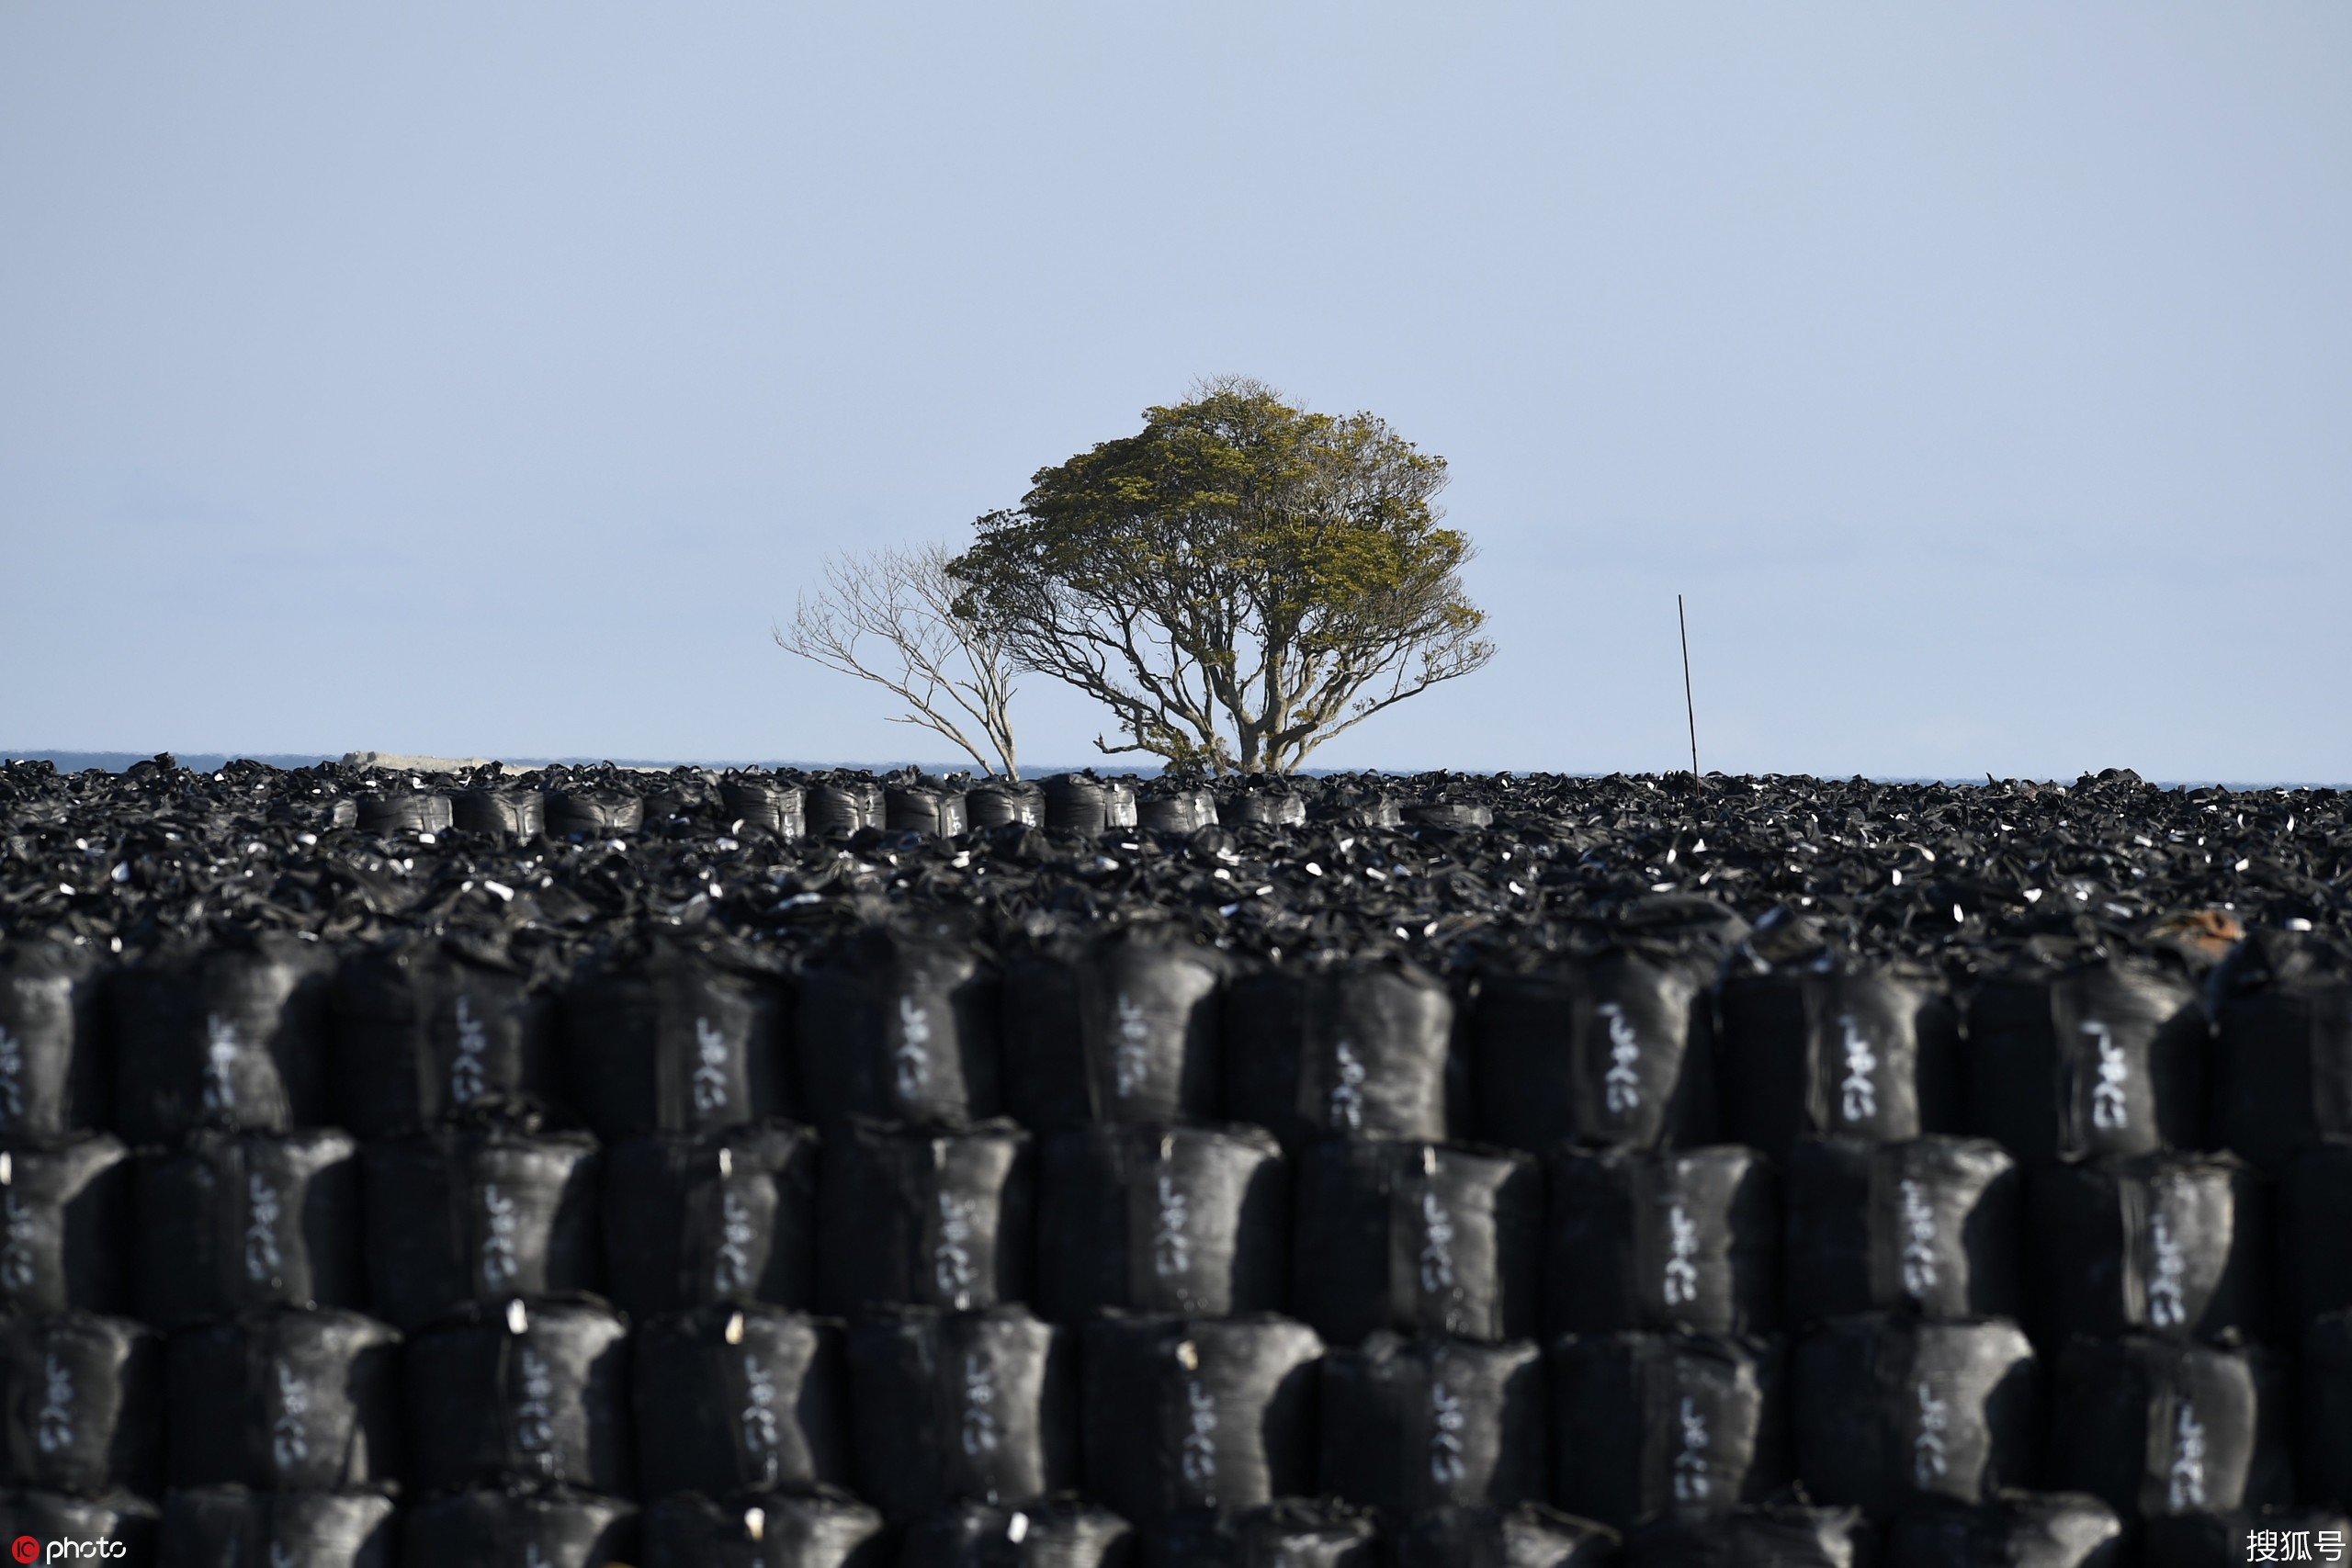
890 617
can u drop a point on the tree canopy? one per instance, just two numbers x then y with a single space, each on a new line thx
1238 581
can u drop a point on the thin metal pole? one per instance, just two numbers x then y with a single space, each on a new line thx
1690 708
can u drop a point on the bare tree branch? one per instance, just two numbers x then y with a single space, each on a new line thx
891 618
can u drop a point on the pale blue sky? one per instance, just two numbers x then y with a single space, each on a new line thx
485 377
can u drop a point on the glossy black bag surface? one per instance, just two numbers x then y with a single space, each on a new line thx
1191 1220
481 1216
821 1529
56 1069
1418 1238
230 1526
81 1405
287 1400
734 1398
2153 1426
1647 1424
252 1220
1932 1227
1686 1239
1409 1425
1181 1414
694 1220
955 1406
532 1393
65 1225
1888 1412
925 1218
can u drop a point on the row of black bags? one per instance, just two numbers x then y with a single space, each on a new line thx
842 805
1630 1043
210 1528
1165 1419
555 1528
826 808
1349 1235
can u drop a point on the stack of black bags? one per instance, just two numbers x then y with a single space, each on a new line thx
912 1238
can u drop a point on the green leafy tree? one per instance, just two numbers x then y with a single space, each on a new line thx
1238 581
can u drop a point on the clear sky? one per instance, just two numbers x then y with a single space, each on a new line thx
485 377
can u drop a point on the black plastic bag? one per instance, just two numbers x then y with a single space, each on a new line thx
2016 1529
1261 808
1607 1049
2282 1045
913 809
1930 1227
773 807
839 807
1060 1533
1126 1031
2173 1245
1834 1049
2103 1059
1663 1240
558 1527
1762 1537
514 815
1460 814
1148 1015
730 1398
2227 1540
287 1400
250 1220
1418 1238
899 1027
54 1069
1177 811
1362 1048
949 1406
1666 1423
1183 1413
478 1214
117 1520
228 1527
684 1040
1189 1220
65 1227
725 1217
221 1036
1887 1412
1261 1029
1081 804
406 811
1528 1535
2156 1427
429 1030
82 1398
592 811
2314 1233
1003 803
2324 1383
535 1393
1416 1424
1042 1040
1289 1533
918 1217
821 1529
